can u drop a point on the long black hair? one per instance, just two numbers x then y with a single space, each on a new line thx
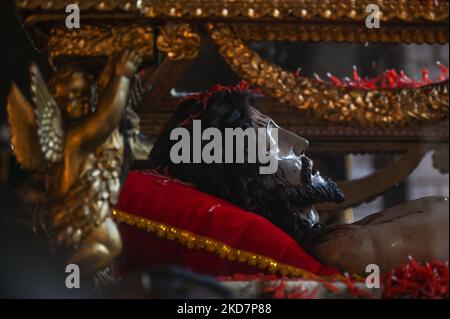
238 183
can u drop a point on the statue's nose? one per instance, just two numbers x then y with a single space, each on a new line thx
298 143
301 146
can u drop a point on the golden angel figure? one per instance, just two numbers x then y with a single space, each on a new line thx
77 143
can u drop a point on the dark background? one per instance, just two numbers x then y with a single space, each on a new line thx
16 54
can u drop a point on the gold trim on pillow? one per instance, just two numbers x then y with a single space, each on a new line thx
193 241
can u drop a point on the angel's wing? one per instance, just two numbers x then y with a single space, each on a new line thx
22 122
48 118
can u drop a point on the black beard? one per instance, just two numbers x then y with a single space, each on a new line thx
311 192
315 193
287 206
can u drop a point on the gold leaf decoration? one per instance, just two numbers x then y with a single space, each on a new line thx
178 41
92 40
384 107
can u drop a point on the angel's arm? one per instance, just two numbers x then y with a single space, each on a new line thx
96 129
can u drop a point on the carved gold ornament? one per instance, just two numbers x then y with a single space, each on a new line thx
178 41
101 5
406 21
325 101
92 40
339 33
330 10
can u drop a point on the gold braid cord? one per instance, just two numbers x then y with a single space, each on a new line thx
345 105
339 33
224 251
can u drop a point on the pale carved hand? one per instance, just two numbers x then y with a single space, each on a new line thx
127 63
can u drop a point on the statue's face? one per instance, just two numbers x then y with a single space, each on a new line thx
302 188
73 95
289 150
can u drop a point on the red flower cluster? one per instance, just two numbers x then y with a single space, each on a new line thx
415 280
390 79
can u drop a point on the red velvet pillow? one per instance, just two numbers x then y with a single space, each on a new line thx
163 221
